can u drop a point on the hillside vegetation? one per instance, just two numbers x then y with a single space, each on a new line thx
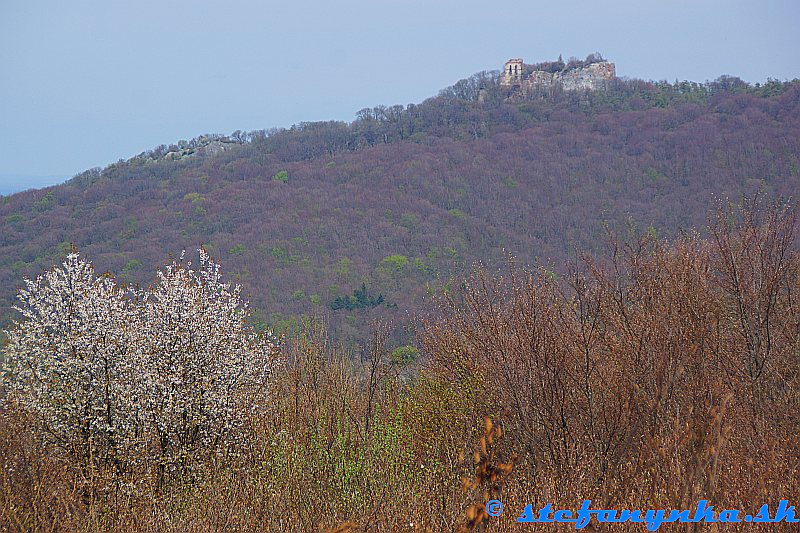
324 218
654 376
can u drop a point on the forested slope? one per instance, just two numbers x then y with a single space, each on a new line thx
327 218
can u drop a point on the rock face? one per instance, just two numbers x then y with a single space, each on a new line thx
590 77
522 79
201 146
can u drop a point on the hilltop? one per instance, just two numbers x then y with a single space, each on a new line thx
542 79
355 221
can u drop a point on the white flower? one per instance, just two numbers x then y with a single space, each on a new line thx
103 368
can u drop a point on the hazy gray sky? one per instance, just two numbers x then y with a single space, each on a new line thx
87 82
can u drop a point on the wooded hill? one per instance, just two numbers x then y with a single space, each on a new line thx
353 221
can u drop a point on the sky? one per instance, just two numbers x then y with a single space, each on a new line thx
85 83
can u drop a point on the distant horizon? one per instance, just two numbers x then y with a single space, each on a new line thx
14 183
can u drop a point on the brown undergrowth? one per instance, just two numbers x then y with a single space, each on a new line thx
653 377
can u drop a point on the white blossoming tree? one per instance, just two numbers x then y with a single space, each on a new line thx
202 366
67 360
166 374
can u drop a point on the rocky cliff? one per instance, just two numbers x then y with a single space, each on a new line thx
526 79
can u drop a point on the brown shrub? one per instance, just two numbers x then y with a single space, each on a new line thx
658 376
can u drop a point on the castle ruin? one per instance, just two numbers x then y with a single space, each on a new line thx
526 79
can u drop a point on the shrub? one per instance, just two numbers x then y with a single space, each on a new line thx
281 176
393 263
404 355
660 363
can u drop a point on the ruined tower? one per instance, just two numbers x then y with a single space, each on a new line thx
512 73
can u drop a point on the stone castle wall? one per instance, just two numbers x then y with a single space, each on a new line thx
591 77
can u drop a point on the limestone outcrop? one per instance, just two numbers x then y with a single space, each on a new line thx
526 79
